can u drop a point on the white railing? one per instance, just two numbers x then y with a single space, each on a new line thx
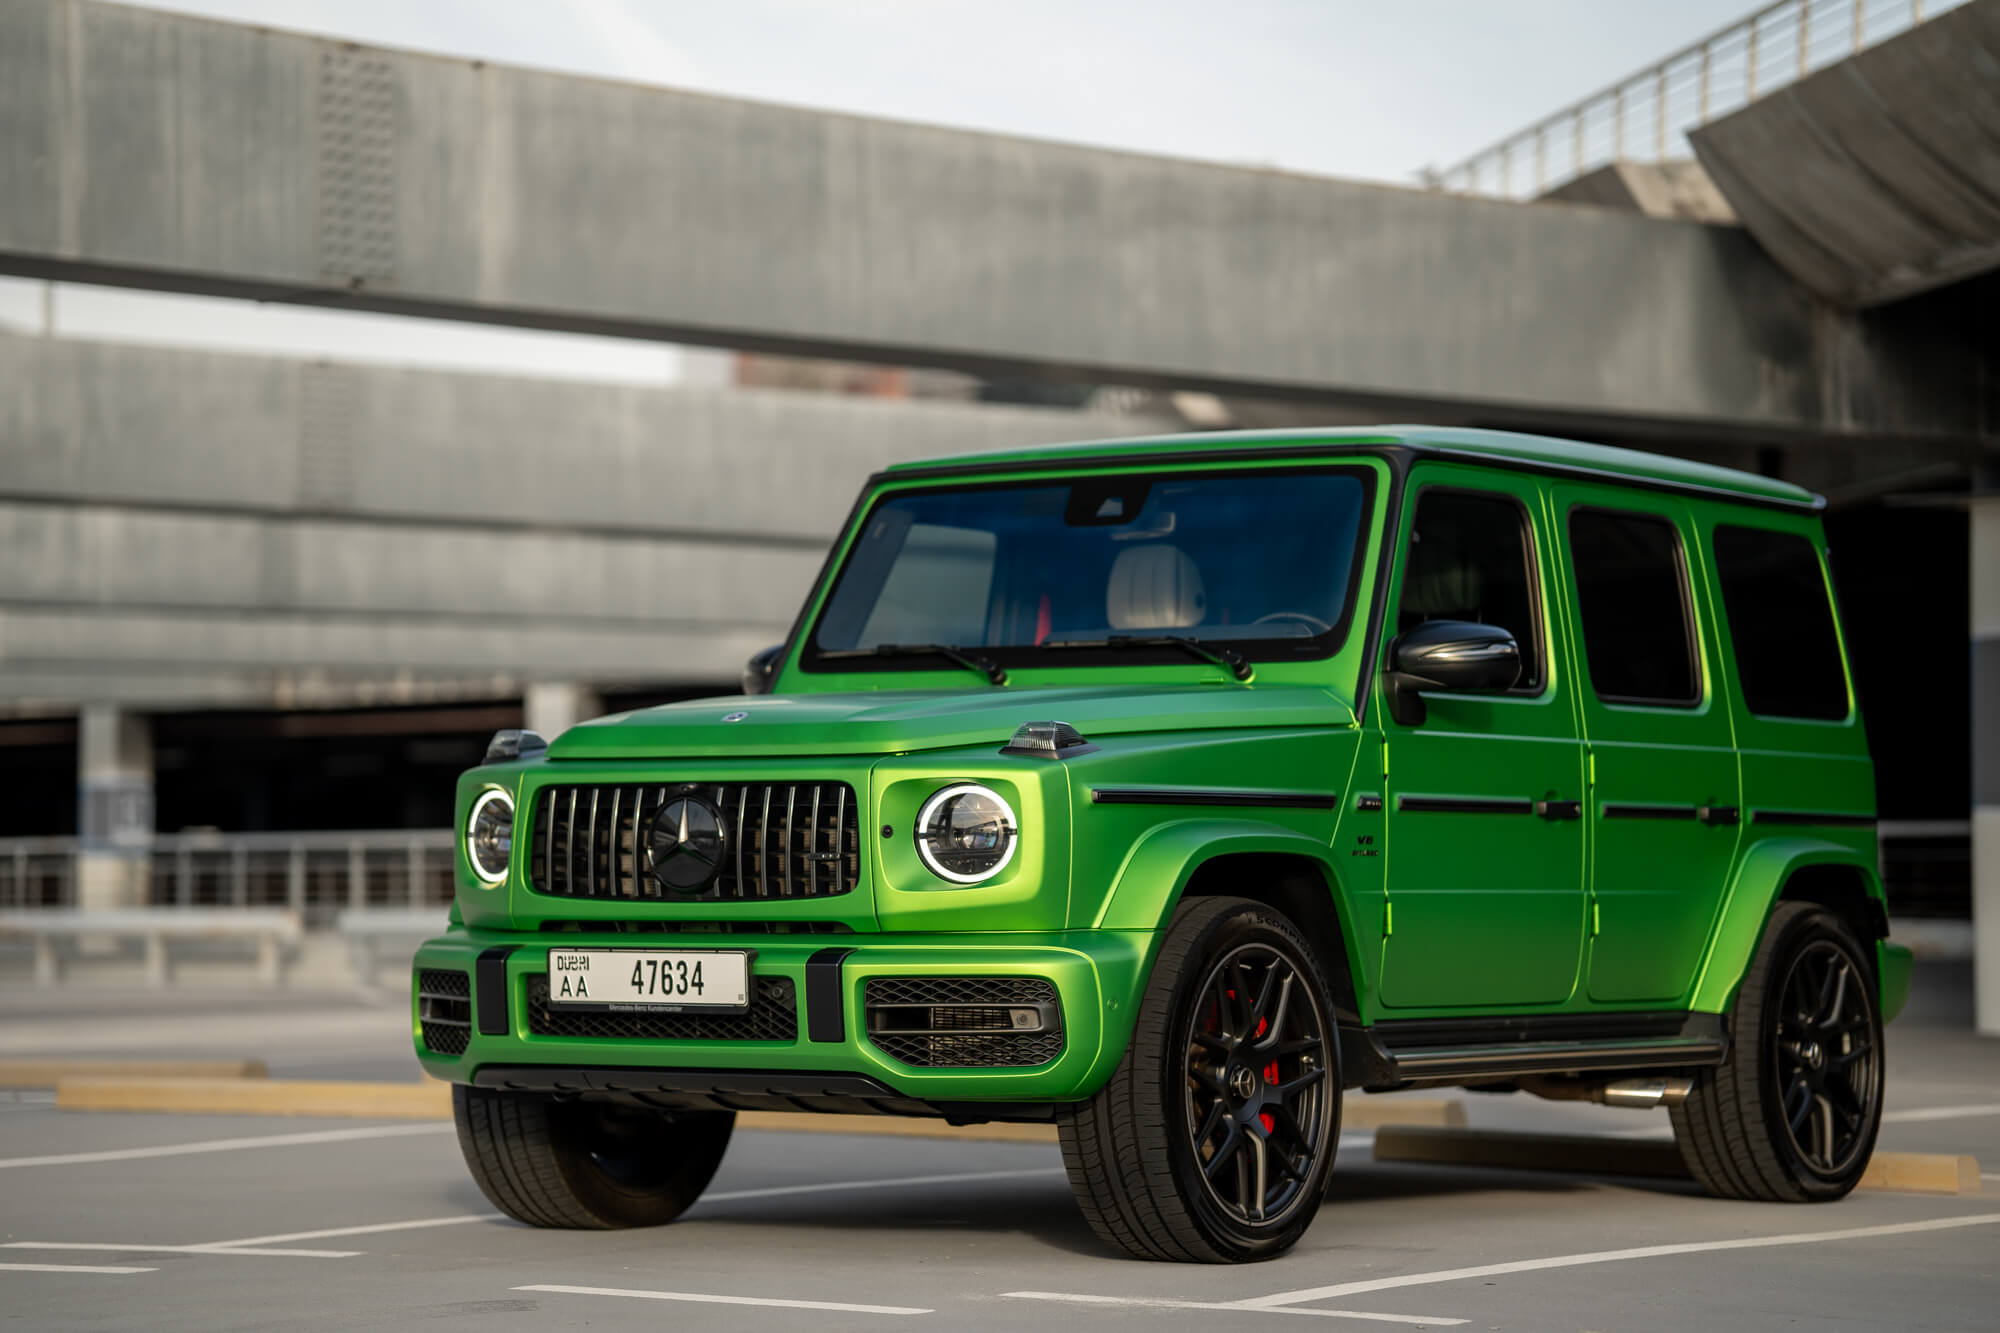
1647 115
317 875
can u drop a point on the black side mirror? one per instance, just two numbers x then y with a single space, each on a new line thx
757 672
1448 655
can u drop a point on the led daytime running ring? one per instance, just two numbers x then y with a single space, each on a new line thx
1011 823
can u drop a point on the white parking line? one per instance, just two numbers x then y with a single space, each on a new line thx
70 1268
1939 1113
1285 1298
1127 1302
227 1145
175 1249
418 1224
707 1299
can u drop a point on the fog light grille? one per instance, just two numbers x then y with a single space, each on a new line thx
964 1022
444 1009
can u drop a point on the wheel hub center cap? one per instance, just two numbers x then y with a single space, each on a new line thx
1243 1083
1812 1055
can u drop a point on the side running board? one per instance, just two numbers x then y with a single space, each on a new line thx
1414 1053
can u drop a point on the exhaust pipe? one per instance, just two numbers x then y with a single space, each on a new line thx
1636 1094
1643 1094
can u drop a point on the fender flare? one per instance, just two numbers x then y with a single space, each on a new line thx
1753 893
1155 873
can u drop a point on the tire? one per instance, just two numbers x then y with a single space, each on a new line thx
1185 1097
1791 1117
588 1165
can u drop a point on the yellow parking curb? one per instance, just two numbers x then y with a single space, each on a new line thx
36 1072
1899 1172
220 1096
1922 1173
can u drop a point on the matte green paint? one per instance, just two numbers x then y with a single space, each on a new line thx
1489 907
1441 915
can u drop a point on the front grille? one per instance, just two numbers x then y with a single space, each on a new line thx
444 1008
977 1007
799 840
773 1016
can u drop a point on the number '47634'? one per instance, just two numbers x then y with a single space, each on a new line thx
654 976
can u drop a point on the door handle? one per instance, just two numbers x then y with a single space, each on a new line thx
1559 809
1718 814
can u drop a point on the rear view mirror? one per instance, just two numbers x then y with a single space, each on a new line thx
759 670
1455 655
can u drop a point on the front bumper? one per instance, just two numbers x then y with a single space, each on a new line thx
1097 975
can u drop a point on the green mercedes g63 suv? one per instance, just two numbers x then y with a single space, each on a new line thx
1170 790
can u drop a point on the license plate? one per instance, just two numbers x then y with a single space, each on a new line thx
653 980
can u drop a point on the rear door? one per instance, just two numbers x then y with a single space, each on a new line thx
1664 809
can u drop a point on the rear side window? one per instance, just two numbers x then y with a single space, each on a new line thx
1470 559
1631 591
1787 655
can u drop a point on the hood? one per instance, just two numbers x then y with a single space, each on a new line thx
899 721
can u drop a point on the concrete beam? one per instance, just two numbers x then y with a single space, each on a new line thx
157 150
256 436
1878 177
197 529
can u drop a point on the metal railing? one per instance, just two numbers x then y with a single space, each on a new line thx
317 875
1647 115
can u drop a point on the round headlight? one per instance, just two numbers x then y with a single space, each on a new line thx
966 833
489 835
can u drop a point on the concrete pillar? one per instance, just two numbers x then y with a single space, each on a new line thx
114 794
553 707
1985 549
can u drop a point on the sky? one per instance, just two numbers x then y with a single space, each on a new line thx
1367 89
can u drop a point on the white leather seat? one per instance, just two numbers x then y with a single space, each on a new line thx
1154 586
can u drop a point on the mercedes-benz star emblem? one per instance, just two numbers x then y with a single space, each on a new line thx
685 844
734 717
1242 1083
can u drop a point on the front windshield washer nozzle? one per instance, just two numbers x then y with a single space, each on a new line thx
1047 740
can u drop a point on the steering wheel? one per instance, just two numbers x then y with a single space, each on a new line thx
1314 623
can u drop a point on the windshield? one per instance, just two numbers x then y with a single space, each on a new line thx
1263 562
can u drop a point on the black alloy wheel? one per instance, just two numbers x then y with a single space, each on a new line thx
1213 1140
1824 1059
1256 1092
1791 1115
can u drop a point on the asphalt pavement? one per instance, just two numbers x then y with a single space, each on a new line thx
167 1222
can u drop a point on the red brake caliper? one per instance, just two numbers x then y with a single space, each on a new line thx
1270 1076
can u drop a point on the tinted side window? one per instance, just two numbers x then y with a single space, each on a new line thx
1470 559
1632 594
1782 622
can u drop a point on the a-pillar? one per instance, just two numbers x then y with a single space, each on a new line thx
114 807
553 707
1985 549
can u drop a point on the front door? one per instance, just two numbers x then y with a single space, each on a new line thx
1485 849
1664 816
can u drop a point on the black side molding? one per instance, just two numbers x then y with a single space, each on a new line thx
1464 805
825 1019
489 977
1630 810
1297 800
1822 818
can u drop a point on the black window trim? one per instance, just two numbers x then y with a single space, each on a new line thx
1824 559
1015 657
1689 624
1535 611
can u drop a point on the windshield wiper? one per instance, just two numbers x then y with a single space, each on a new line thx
1238 665
971 661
